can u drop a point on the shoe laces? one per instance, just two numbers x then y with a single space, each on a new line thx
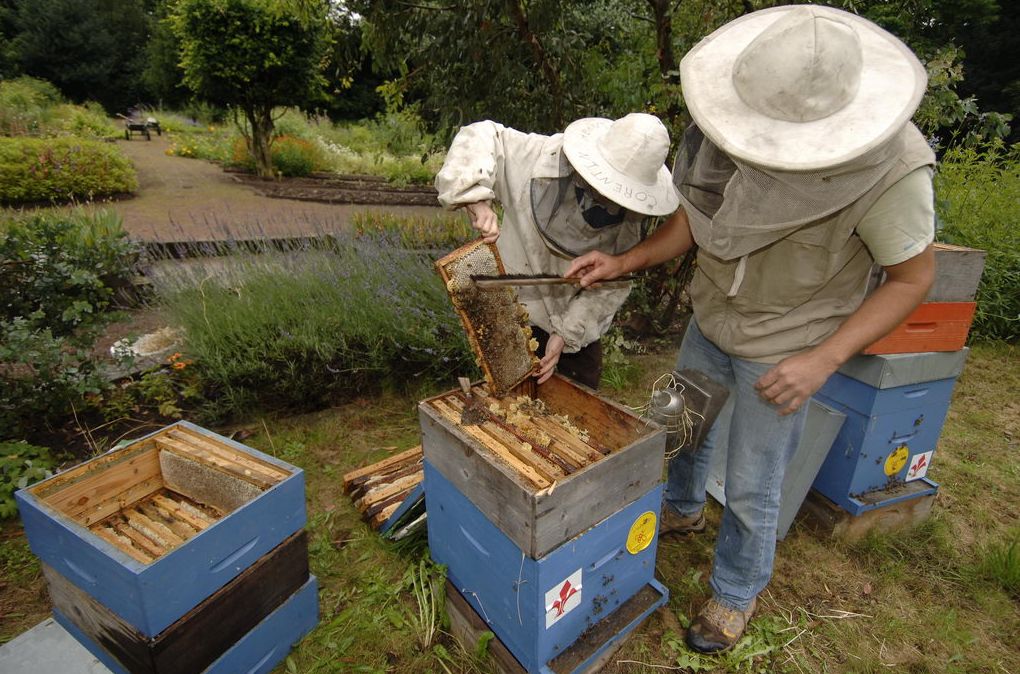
727 620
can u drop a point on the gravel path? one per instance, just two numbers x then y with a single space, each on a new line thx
188 199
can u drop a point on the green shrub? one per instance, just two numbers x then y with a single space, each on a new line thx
87 121
44 379
31 107
21 464
441 232
301 328
61 169
211 145
295 156
26 106
61 267
292 157
978 203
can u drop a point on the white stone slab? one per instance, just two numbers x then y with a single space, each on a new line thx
47 648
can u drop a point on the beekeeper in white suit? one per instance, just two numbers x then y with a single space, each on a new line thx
801 171
585 189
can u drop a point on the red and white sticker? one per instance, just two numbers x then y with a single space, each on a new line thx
919 466
562 599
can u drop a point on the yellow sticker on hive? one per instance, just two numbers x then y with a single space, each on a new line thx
897 459
641 533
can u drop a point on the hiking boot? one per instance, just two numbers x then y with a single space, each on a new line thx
675 524
717 627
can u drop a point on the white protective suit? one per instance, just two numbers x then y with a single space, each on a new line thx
525 172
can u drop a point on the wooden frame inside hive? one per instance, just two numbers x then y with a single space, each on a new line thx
152 496
379 489
496 323
541 439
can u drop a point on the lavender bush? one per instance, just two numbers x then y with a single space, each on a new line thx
298 328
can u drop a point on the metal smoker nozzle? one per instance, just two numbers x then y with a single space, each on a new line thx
667 403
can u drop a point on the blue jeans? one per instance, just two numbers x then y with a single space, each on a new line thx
758 445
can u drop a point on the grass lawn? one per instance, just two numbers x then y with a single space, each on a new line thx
944 597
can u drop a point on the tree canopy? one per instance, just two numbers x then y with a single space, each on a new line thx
255 55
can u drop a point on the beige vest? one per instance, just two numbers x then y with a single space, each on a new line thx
792 294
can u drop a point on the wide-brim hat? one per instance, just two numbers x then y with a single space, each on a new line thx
801 88
624 161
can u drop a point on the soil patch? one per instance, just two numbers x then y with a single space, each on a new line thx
329 189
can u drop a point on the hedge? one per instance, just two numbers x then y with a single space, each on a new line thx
61 170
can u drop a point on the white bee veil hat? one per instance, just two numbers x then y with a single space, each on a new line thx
624 160
801 88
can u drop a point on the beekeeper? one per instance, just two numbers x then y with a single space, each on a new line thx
802 170
585 189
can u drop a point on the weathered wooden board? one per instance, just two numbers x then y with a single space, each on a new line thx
106 486
483 477
610 425
257 652
205 633
958 272
395 462
596 492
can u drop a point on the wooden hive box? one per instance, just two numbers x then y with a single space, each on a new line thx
932 326
257 652
204 634
152 529
958 272
538 484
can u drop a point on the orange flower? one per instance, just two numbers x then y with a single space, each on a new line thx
180 365
174 357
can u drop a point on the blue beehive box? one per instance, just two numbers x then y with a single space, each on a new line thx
543 565
895 407
539 607
257 652
152 529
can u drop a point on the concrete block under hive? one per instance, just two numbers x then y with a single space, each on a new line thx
152 529
496 324
546 515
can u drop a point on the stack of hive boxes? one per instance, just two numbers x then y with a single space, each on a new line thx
543 501
896 396
181 552
545 536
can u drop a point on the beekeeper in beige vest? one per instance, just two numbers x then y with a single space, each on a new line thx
585 189
801 171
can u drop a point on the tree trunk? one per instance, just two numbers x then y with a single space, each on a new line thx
542 60
662 11
260 142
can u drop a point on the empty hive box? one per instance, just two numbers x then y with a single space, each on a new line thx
152 529
496 324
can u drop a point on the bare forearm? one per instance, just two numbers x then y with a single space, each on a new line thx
886 308
794 380
671 240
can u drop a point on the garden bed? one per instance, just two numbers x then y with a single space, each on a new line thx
344 189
